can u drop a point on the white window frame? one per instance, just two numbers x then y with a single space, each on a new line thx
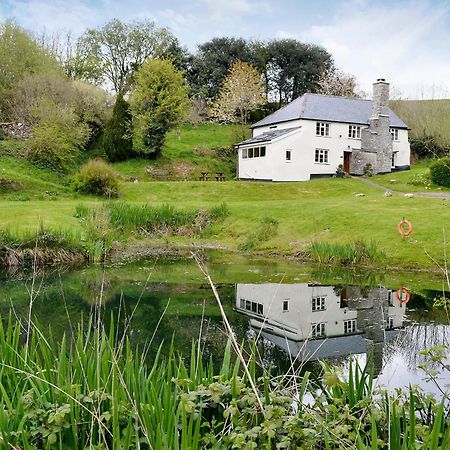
393 160
322 129
254 152
318 303
321 156
394 134
349 326
354 132
318 329
244 153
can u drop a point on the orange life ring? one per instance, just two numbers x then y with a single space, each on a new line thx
402 231
400 293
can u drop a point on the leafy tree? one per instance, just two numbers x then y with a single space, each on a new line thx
118 136
295 68
158 102
336 82
241 92
212 61
118 49
20 56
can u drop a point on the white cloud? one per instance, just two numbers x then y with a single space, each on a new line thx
402 42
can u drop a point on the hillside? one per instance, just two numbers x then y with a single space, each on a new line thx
425 117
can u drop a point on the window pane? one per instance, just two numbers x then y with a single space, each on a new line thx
250 153
256 152
262 151
244 153
288 155
260 308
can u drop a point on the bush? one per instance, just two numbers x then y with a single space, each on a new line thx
97 178
117 140
57 138
368 170
428 147
440 172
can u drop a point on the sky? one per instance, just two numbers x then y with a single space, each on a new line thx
406 41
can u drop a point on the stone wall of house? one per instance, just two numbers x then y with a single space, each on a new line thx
13 130
376 140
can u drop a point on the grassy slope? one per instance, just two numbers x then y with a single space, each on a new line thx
321 209
318 210
189 151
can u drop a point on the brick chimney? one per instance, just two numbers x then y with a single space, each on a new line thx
380 98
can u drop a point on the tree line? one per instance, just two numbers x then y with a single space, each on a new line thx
64 88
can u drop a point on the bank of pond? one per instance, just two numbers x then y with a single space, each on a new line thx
136 356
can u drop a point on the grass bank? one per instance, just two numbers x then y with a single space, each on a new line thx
288 216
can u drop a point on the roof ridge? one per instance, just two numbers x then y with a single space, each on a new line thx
343 97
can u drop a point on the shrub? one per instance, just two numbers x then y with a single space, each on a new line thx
440 172
57 139
368 170
97 178
118 137
428 147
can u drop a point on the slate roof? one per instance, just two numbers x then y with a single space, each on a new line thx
268 136
329 109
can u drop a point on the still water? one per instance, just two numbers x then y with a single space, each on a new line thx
298 315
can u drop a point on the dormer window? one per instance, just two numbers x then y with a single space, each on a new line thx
322 129
354 131
394 133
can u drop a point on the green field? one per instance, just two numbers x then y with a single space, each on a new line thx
326 210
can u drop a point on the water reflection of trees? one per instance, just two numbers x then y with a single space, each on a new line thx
414 339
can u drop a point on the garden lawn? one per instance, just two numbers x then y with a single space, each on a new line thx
323 210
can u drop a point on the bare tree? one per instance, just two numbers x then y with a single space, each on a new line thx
336 82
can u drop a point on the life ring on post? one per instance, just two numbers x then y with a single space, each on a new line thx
407 295
401 229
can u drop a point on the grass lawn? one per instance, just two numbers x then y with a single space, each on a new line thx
324 209
402 181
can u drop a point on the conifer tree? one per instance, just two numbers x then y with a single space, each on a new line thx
118 136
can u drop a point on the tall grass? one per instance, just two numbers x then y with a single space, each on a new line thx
93 390
349 254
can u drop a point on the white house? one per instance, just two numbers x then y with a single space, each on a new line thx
314 134
321 321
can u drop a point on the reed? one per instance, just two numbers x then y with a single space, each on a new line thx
349 254
93 390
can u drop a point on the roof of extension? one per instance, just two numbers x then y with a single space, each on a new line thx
268 136
329 109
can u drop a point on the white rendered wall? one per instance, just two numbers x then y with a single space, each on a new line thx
403 155
303 144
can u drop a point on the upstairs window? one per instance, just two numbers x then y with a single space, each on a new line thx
321 156
354 131
318 304
322 129
349 326
394 133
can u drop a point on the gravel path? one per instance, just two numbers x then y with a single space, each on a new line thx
443 195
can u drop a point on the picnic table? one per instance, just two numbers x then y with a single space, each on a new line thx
204 176
220 176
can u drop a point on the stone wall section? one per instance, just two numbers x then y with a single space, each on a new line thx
376 139
13 130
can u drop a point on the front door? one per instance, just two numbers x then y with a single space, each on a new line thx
347 161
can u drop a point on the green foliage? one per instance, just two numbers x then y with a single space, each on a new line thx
368 170
440 172
267 229
357 252
219 212
56 138
20 55
117 139
96 177
421 179
158 102
425 146
7 185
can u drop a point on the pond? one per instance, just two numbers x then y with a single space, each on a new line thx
297 314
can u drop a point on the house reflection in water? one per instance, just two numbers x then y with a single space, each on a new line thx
321 322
